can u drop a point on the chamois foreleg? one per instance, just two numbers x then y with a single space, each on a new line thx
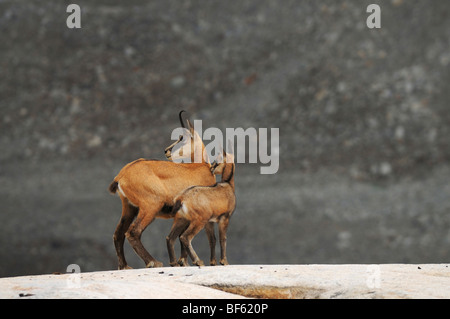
209 228
179 226
145 217
129 212
186 239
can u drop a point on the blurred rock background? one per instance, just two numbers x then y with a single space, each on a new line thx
363 118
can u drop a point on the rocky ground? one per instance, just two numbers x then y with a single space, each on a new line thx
364 156
392 281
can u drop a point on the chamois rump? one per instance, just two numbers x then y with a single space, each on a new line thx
147 189
200 206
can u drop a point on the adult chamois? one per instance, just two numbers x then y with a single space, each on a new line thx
147 189
200 206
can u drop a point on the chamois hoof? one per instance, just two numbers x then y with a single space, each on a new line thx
183 262
125 267
154 264
213 263
175 264
199 263
224 262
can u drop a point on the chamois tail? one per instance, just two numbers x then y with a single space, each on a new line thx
113 187
176 207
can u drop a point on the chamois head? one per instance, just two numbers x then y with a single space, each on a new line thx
187 146
224 163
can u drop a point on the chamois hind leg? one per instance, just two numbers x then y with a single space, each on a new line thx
179 225
209 228
129 212
186 239
183 261
145 217
223 226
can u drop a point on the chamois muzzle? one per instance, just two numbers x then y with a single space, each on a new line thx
213 166
168 150
168 153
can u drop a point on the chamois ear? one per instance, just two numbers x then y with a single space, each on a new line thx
220 157
190 127
229 155
229 147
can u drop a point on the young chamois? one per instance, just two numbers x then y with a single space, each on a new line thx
147 189
200 206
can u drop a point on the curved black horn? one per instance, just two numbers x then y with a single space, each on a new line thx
181 119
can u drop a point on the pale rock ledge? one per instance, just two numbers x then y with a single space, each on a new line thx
240 281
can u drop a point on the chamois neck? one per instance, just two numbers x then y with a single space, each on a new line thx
198 150
228 174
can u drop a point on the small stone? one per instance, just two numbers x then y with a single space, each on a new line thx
385 169
23 111
445 59
129 52
432 134
178 81
341 87
399 133
75 106
382 169
176 28
95 141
